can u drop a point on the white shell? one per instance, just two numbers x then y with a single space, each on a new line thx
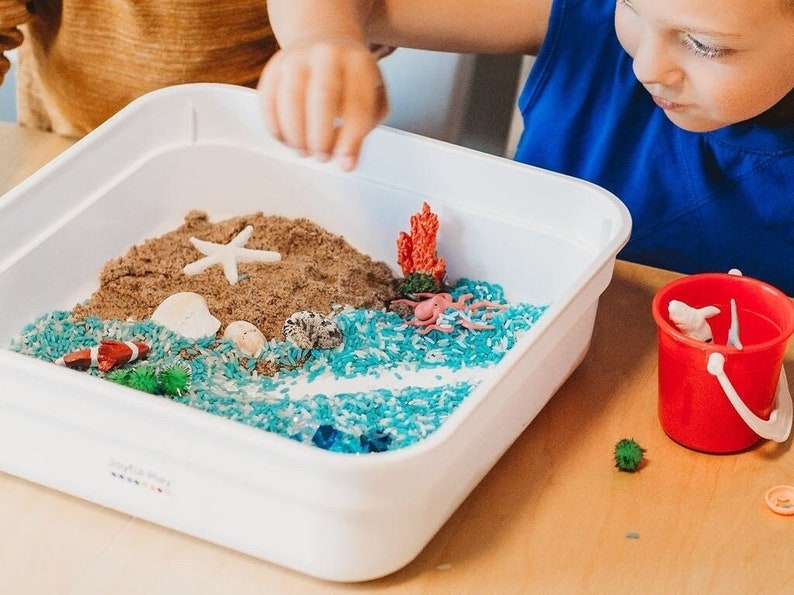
246 336
186 313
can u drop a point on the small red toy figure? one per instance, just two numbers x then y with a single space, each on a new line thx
107 355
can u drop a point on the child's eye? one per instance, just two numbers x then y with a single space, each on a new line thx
701 49
626 3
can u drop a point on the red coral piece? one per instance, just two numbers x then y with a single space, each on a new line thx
416 253
405 249
439 270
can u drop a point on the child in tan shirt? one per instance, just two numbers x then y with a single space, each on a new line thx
80 62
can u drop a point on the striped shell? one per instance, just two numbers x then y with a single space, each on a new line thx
309 330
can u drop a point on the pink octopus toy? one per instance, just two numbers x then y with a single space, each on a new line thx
430 313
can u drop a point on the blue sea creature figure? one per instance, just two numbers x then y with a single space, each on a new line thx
326 436
692 321
375 441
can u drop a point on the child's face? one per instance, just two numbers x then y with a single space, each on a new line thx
710 64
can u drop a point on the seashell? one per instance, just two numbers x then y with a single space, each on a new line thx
308 330
246 336
186 313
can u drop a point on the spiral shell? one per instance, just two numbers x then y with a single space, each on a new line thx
309 330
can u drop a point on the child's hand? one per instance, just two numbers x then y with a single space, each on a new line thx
323 98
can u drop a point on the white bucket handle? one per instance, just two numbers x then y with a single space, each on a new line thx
778 426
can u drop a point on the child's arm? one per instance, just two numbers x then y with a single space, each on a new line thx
12 14
323 92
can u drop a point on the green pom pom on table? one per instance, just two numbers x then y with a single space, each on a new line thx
628 455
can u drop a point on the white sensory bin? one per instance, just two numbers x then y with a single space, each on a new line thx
546 238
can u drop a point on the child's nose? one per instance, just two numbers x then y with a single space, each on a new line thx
654 62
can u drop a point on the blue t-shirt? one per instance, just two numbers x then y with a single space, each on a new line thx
700 202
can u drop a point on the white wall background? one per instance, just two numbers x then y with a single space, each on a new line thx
516 122
428 91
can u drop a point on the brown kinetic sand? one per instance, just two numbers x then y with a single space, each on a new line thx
317 271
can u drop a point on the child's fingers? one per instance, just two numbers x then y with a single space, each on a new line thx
291 107
323 99
364 107
323 104
268 86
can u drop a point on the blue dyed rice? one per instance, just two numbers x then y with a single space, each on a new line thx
376 341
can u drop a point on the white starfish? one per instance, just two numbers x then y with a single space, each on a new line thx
228 255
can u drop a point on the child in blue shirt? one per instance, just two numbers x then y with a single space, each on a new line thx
684 108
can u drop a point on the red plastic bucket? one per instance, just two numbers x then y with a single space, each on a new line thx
710 394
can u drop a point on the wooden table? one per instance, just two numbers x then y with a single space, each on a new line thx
553 516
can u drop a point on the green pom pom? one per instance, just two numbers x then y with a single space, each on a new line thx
175 379
628 455
120 376
419 283
144 379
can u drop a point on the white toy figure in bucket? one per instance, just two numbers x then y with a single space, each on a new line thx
692 321
733 331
